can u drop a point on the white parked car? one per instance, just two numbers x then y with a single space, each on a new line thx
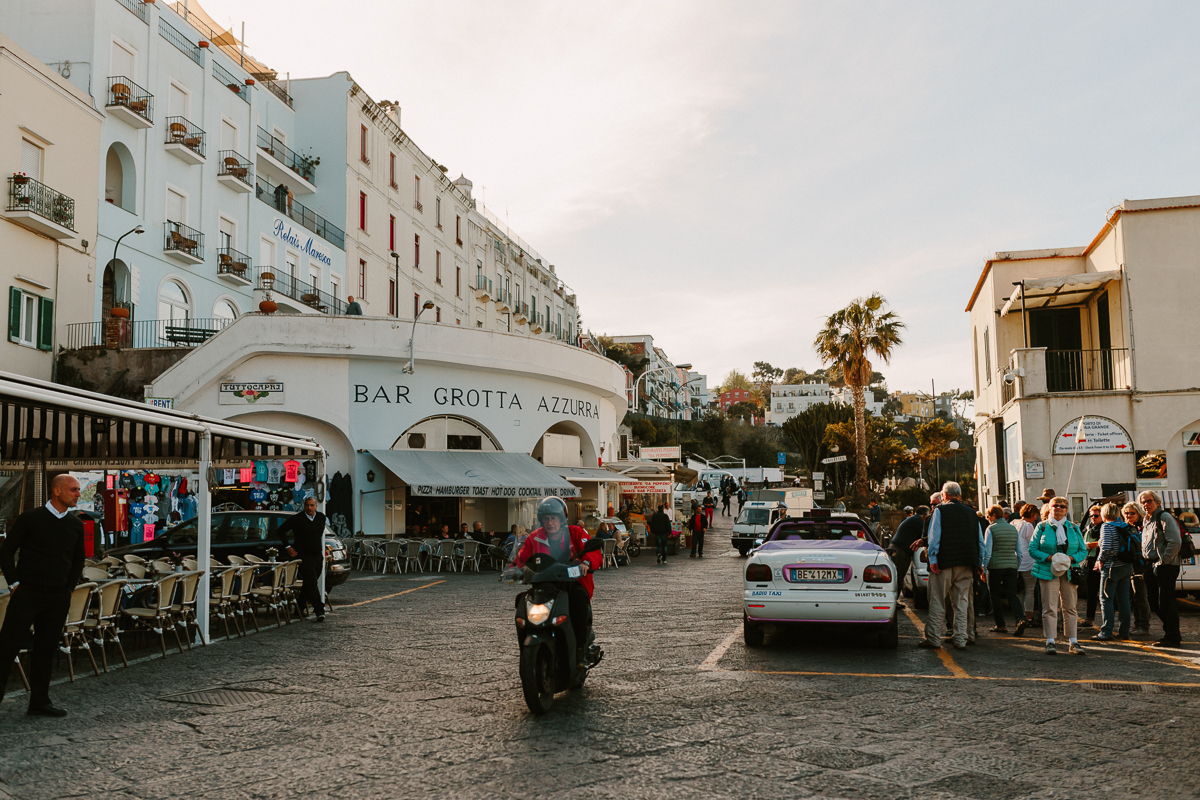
1189 571
916 581
754 523
824 567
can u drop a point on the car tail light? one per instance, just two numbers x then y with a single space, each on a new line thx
877 574
924 557
758 573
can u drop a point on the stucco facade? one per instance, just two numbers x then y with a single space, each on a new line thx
1106 332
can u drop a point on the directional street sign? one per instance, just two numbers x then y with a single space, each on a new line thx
833 460
782 459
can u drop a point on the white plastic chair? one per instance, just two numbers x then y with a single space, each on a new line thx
469 555
412 555
443 553
610 550
391 555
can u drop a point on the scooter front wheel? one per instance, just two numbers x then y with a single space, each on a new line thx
537 678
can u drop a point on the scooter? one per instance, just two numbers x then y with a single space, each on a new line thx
545 633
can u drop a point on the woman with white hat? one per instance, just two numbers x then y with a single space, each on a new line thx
1056 547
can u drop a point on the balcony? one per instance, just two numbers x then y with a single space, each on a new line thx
483 288
40 208
503 301
123 333
307 296
234 267
185 140
278 162
130 103
230 81
1087 370
234 171
521 312
268 79
277 197
184 243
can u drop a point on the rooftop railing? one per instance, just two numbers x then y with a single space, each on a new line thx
114 333
181 42
277 197
135 7
268 79
230 80
26 194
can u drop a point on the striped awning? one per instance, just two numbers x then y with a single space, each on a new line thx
74 429
1172 498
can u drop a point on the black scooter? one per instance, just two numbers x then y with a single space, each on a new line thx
546 636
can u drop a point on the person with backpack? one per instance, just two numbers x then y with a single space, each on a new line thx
1161 545
1120 555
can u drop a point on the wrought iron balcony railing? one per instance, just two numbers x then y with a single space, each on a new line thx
124 92
277 197
182 131
230 81
304 166
26 194
180 238
233 164
1087 370
231 262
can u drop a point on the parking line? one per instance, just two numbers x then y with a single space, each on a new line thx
947 659
389 596
952 677
710 664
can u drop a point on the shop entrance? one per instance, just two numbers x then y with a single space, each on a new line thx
431 513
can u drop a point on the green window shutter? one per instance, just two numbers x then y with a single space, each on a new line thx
45 324
14 314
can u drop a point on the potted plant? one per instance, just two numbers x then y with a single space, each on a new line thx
268 306
20 178
306 164
118 312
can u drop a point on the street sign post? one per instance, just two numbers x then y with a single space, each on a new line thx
782 459
833 460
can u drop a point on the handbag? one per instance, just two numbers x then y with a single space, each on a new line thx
1076 575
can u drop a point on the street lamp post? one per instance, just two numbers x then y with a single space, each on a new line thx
138 230
954 447
837 468
412 353
914 452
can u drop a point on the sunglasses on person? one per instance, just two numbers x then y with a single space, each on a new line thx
1057 505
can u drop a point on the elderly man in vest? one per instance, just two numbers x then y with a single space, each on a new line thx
956 547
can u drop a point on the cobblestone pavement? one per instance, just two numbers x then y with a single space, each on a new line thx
410 689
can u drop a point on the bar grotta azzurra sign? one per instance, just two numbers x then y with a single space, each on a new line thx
1098 435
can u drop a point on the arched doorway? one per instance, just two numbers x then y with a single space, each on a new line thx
574 447
114 287
120 181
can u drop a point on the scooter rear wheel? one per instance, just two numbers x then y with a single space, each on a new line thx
537 678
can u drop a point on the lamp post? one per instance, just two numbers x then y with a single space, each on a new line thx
954 447
412 354
647 372
914 452
837 468
138 230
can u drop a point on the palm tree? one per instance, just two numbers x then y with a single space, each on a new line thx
849 339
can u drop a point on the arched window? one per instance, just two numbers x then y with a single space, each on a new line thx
120 184
173 305
224 309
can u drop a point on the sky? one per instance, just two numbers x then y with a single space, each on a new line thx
724 175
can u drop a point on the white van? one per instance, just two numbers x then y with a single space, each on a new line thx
754 523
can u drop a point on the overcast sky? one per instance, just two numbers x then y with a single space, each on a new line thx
722 175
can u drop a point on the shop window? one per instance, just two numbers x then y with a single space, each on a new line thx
459 441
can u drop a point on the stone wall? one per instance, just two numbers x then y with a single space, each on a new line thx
120 373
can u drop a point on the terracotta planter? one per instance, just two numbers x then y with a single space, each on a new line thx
268 306
119 313
19 181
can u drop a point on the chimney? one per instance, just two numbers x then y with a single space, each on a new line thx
465 185
392 109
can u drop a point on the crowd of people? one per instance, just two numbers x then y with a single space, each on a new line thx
1123 561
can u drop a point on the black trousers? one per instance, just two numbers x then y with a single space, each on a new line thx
1168 611
698 542
660 544
1093 588
46 610
581 611
310 594
1002 583
902 558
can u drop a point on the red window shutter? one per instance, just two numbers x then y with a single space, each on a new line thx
362 210
392 232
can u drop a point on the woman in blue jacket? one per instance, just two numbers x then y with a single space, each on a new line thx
1057 534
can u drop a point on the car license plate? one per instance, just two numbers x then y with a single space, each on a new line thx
808 575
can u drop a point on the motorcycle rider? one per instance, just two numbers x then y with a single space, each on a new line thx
564 543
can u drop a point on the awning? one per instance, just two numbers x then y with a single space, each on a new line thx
1042 292
473 474
585 475
1172 498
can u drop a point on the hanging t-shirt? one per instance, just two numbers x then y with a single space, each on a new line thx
274 471
258 495
152 488
246 475
310 471
230 477
136 509
260 471
135 530
291 470
139 480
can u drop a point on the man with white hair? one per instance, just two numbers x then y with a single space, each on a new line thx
956 550
1161 540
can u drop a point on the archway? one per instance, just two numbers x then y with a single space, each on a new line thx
114 287
120 178
585 456
447 432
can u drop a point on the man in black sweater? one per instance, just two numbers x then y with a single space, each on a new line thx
50 543
308 530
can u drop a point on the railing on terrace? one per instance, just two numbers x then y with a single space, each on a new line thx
483 284
291 286
183 239
188 48
277 197
124 92
182 131
303 166
135 7
26 194
1087 370
122 333
230 80
268 80
231 262
231 163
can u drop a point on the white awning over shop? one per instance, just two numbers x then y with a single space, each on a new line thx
1171 498
474 474
1067 289
585 475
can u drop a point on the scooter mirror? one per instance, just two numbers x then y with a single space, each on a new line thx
593 545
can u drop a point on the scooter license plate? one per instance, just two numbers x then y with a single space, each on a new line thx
573 572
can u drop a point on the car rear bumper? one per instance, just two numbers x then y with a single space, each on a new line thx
878 608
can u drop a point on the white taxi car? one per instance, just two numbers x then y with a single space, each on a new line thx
824 567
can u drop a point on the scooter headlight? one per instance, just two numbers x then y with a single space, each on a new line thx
538 613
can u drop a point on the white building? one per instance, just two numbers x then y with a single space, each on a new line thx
666 390
845 396
790 399
486 424
49 151
199 149
1105 333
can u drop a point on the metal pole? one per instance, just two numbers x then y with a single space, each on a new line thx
204 534
321 508
1024 317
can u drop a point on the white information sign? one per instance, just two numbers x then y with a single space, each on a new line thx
161 402
1035 470
818 476
818 495
646 487
1098 435
833 460
671 453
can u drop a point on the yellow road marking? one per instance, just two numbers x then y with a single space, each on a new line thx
947 659
1154 652
953 677
389 596
709 664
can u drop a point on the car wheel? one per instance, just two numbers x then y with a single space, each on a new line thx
889 638
921 598
743 550
753 634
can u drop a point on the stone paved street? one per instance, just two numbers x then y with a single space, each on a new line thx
411 690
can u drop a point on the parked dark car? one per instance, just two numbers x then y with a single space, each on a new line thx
236 533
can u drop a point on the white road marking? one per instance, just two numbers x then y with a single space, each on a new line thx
709 664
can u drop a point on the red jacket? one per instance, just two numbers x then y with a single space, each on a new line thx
536 543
